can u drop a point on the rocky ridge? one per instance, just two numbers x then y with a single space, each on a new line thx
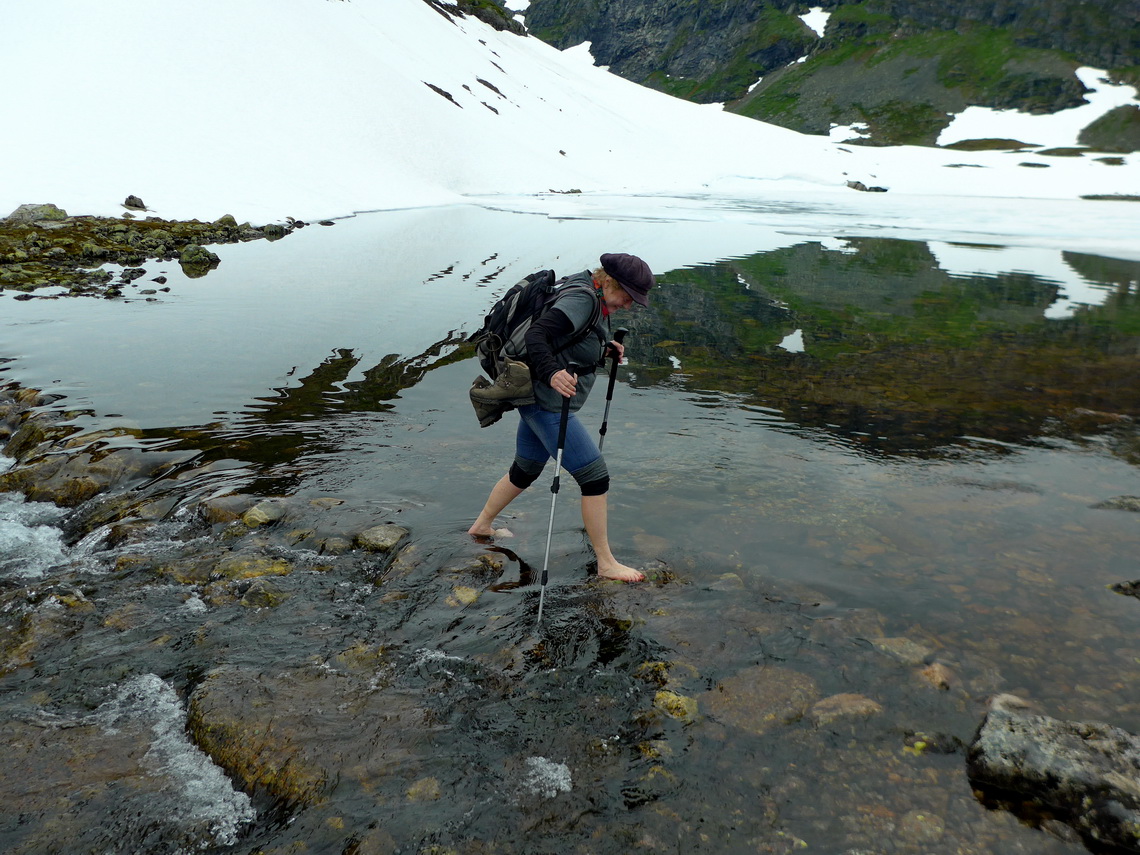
898 66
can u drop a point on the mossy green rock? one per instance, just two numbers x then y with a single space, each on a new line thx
676 706
381 538
250 567
37 213
195 254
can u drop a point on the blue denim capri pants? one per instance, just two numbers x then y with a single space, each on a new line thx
537 442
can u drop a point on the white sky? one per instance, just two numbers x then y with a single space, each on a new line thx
306 108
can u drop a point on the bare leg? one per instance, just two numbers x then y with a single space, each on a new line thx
502 494
594 517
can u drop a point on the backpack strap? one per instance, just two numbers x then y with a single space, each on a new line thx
584 333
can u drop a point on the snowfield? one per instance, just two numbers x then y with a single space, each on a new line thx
309 108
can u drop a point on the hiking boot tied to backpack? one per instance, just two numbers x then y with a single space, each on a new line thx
512 388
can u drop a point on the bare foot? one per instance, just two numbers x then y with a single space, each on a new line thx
487 532
621 573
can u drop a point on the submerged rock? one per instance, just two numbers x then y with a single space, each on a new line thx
264 513
424 790
761 698
902 649
938 676
1129 589
462 595
1089 772
381 538
292 733
677 706
1120 503
843 706
251 567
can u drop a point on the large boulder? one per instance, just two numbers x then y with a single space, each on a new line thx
37 214
1088 772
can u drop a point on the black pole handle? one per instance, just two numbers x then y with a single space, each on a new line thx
618 336
572 368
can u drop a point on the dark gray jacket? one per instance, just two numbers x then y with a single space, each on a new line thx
569 314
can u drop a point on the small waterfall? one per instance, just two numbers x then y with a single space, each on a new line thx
30 539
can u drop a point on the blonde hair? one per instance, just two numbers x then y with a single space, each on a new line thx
600 276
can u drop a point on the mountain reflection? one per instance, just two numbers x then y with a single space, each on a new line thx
893 355
899 355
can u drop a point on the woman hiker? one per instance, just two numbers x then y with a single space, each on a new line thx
621 281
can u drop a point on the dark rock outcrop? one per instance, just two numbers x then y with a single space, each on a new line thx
898 66
1087 772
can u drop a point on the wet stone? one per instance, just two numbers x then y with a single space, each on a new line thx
843 706
264 513
676 706
1084 770
424 790
263 594
293 732
938 676
760 698
381 538
902 649
251 566
920 827
1120 503
462 595
124 760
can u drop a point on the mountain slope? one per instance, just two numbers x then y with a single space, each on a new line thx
900 66
325 108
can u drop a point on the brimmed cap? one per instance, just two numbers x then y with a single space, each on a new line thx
631 273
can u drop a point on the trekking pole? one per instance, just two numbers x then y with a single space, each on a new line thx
618 336
573 369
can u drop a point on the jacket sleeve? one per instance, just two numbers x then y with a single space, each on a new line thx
539 351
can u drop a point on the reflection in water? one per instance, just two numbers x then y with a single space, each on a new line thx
842 464
898 355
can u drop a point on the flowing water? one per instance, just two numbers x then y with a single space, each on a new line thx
890 471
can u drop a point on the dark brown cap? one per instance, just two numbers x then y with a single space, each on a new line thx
631 273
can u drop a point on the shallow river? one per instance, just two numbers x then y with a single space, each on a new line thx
851 466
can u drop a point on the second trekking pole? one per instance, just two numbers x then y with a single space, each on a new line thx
618 336
573 369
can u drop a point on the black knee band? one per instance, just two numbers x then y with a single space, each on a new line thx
596 488
523 472
593 478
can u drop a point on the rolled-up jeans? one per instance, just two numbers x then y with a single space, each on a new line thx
537 441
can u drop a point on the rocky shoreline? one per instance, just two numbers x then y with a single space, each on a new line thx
42 246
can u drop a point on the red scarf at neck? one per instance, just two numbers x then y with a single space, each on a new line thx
605 308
